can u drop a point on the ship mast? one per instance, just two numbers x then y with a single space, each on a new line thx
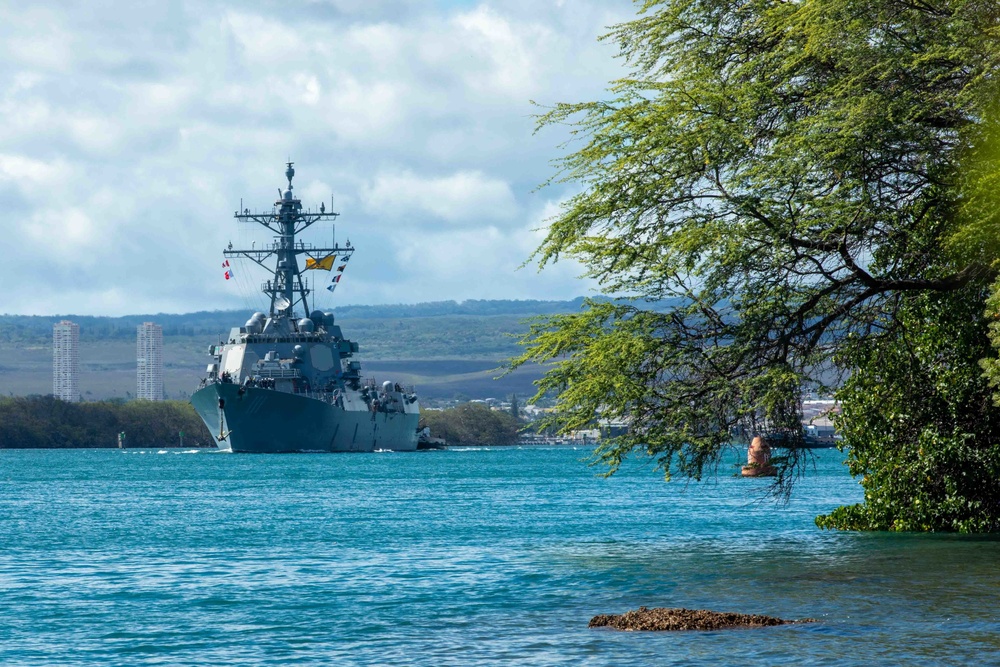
286 288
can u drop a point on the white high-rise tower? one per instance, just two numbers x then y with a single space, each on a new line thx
66 361
149 361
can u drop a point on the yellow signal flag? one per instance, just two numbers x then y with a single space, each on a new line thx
326 263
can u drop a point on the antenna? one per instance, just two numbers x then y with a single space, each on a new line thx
286 220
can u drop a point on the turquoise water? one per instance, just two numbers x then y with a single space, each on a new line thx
460 557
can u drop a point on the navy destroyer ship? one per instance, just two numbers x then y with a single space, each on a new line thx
287 383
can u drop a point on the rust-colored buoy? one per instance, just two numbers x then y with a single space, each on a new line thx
758 460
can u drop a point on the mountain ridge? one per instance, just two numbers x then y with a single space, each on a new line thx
446 348
210 322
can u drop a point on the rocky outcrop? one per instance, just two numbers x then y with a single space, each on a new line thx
661 618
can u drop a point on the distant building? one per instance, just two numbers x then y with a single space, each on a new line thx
66 361
149 361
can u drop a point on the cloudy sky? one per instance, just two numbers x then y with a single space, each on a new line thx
131 132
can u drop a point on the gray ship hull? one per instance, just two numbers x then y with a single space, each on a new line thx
268 421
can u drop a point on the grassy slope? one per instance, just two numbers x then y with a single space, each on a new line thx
443 355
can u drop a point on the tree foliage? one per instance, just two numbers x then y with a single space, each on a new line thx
919 417
46 422
472 424
798 174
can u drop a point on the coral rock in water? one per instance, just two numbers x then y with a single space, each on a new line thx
684 619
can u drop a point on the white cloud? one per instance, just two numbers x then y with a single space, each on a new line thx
486 262
131 134
467 197
62 233
36 177
504 53
47 46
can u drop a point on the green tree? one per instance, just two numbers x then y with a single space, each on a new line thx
919 417
47 422
772 182
472 424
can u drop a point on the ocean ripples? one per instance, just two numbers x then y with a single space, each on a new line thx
459 557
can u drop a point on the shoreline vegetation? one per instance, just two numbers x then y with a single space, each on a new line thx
472 424
45 422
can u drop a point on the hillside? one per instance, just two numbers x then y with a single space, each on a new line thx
28 329
446 349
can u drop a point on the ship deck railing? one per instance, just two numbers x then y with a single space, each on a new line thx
282 337
278 373
325 396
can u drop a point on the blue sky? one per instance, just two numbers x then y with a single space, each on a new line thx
133 130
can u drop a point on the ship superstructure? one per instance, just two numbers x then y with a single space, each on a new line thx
284 382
